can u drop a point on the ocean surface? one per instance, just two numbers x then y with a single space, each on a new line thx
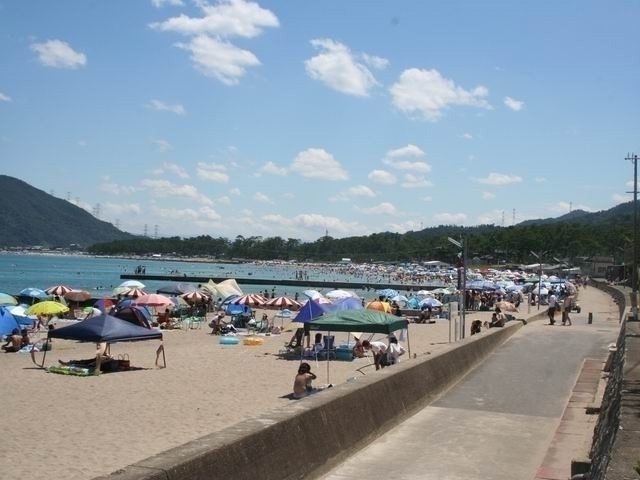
100 275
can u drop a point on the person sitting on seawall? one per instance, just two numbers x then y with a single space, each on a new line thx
379 350
14 342
476 327
302 385
497 318
394 351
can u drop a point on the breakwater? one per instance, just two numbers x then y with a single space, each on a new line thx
278 282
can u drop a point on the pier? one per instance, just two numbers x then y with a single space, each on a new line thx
278 282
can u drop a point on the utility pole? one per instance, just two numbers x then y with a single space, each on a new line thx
634 277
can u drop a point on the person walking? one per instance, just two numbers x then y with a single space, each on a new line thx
553 304
566 308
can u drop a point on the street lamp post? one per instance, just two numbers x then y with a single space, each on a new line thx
463 272
539 257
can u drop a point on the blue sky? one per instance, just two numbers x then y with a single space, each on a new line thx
292 119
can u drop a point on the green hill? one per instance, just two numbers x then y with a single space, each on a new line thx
31 217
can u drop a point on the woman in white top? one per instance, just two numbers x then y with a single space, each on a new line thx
394 351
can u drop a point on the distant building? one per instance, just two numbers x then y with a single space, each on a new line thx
598 266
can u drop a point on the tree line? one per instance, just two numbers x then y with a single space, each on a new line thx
570 242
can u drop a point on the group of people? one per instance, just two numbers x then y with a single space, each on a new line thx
555 305
383 355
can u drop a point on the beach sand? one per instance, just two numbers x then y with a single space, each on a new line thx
70 427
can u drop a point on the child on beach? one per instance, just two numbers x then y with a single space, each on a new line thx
302 384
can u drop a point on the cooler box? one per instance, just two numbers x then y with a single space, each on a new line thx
344 354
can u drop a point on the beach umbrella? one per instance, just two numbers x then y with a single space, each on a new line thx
430 302
252 299
195 297
282 302
313 294
153 300
77 295
335 295
387 292
132 284
33 293
47 307
58 290
6 299
104 304
132 292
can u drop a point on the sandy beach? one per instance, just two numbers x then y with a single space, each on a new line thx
69 427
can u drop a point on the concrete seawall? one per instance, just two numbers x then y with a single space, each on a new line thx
316 433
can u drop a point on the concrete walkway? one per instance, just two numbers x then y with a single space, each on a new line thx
519 415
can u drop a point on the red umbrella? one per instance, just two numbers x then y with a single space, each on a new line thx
282 302
58 290
252 299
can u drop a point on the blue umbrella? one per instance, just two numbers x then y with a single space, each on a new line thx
33 293
387 292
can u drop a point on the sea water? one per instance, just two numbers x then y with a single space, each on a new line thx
100 275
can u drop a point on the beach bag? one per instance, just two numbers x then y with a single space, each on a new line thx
123 361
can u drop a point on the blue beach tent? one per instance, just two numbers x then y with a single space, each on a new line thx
309 311
7 322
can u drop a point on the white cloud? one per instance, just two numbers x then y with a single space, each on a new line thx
165 107
500 179
540 179
162 146
219 59
273 169
4 98
450 218
116 190
261 198
488 195
619 198
335 67
164 188
162 3
403 152
426 93
566 207
382 177
375 62
415 181
356 191
513 104
318 163
384 208
115 209
398 159
467 136
213 172
58 54
227 18
172 168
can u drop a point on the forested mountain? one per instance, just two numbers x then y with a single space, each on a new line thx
32 217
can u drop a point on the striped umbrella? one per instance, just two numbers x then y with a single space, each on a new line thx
58 290
252 299
196 297
282 302
132 292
